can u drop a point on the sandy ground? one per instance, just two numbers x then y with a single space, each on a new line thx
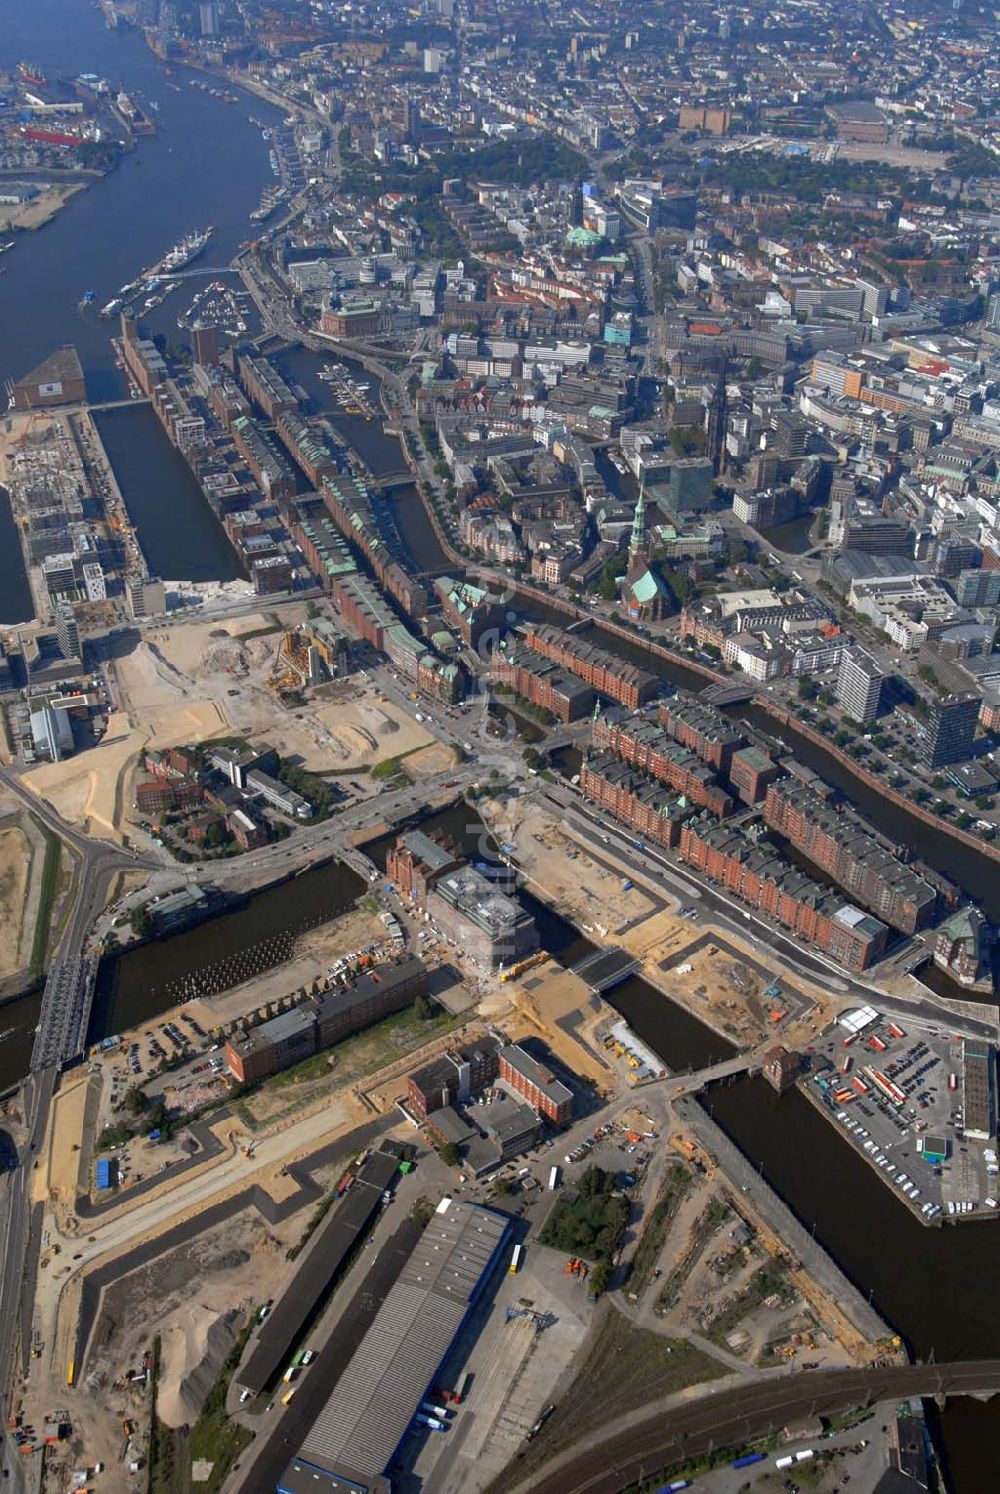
555 866
189 668
15 871
429 760
92 788
65 1131
33 214
548 995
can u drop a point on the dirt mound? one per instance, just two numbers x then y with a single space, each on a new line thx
194 1351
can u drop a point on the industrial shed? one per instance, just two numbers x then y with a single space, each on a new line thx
324 1257
355 1437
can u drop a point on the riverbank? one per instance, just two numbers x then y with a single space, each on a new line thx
786 719
28 217
831 1288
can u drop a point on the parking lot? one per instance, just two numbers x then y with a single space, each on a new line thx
898 1097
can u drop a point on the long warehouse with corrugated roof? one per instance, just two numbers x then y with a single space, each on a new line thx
356 1435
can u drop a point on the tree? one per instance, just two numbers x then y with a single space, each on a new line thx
501 1187
422 1009
422 1212
450 1154
600 1277
141 922
135 1101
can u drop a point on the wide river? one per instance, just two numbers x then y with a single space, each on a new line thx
208 164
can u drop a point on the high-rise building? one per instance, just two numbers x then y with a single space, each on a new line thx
146 596
67 631
859 685
977 588
950 730
208 12
205 342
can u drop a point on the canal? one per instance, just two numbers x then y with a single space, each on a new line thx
381 454
136 986
18 1020
178 533
936 1287
16 605
973 870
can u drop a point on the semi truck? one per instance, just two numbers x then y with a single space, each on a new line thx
516 1257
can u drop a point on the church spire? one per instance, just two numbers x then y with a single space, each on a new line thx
637 544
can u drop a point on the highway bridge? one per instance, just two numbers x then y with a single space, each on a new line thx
664 1435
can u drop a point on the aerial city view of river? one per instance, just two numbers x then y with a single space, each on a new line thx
207 165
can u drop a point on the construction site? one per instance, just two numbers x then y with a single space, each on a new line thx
246 669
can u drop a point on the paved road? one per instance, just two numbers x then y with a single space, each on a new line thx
638 1447
60 1033
725 913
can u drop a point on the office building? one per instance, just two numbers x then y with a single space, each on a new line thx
205 336
147 597
456 1075
950 730
781 1068
859 685
490 925
67 631
537 1084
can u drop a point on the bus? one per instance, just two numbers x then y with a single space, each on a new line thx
517 1256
